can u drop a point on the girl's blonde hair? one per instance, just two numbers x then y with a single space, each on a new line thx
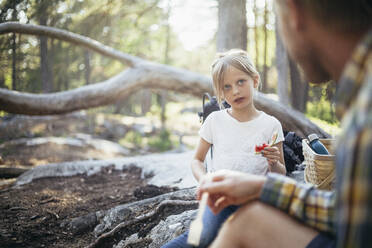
236 58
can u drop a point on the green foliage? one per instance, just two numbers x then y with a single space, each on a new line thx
320 103
134 27
321 110
132 139
162 141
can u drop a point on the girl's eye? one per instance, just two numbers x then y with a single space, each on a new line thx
241 82
226 87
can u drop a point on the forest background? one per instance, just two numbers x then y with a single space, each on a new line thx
79 175
184 34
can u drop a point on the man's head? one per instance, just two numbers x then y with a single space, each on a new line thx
305 26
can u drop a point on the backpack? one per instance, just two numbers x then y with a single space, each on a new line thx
210 106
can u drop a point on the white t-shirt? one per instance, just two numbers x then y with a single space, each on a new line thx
234 141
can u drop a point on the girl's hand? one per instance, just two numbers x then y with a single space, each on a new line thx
227 188
272 154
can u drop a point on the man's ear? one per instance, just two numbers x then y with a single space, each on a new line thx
296 15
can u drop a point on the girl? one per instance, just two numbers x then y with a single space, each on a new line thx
234 133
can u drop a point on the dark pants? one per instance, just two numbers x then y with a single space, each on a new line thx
211 225
322 241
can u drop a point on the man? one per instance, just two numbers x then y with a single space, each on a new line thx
329 40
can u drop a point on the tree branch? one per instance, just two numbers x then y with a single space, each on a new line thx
148 75
15 27
144 74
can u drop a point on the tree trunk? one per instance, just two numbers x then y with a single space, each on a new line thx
51 65
44 60
14 61
282 69
255 32
264 78
232 25
145 101
162 96
2 81
87 69
299 88
66 79
14 50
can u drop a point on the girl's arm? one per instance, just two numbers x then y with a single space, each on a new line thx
275 158
197 164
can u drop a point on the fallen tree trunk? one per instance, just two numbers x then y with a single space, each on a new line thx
141 74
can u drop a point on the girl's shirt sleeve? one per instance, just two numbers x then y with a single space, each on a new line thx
205 131
277 127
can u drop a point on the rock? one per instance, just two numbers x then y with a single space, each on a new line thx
116 215
146 222
80 225
166 230
170 228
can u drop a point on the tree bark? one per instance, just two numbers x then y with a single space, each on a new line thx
66 79
282 69
87 68
2 81
51 53
264 78
146 101
14 61
14 50
232 25
255 31
44 60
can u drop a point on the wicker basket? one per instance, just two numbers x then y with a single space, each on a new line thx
320 169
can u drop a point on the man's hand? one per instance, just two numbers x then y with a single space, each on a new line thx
230 188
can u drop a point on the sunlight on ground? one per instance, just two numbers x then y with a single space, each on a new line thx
57 198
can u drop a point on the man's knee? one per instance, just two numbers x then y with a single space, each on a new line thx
252 211
260 225
242 225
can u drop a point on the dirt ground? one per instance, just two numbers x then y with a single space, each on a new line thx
31 216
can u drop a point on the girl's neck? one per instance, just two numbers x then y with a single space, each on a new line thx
243 115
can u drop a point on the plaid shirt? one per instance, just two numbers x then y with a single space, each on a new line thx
347 212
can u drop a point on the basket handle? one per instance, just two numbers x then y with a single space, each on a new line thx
326 181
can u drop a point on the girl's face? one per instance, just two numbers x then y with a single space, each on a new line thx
238 88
